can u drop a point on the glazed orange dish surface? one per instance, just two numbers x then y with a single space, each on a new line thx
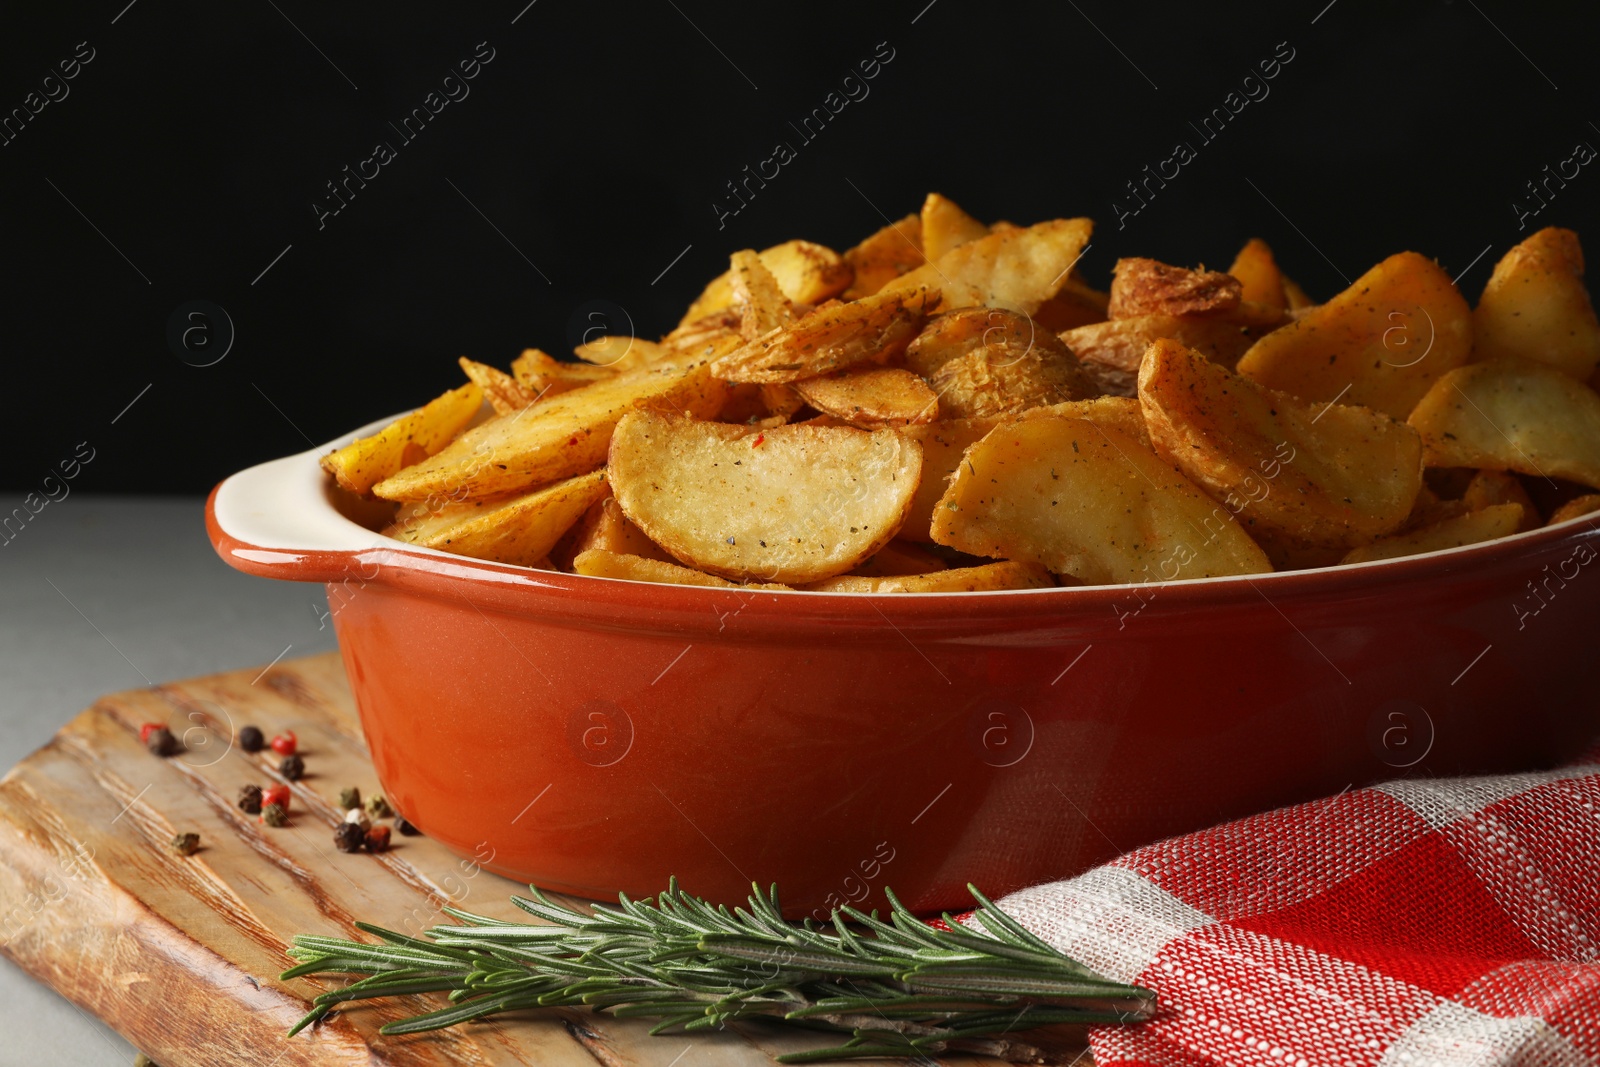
949 406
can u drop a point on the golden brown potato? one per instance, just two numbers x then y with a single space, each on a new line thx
808 273
871 397
360 465
504 393
521 530
1075 304
1120 413
1260 280
1087 501
1485 524
945 225
1149 287
791 504
883 257
986 576
619 352
989 361
545 376
1316 474
761 303
1299 300
714 335
896 558
1016 269
1535 307
598 563
1379 344
1512 415
555 438
1577 507
1111 351
1488 488
943 444
604 527
874 328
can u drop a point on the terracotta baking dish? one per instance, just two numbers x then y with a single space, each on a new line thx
594 735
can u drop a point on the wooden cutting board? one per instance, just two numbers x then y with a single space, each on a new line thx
180 954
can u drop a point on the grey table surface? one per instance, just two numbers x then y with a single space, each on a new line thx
99 594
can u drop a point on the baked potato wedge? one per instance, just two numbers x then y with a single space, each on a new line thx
1260 280
808 273
1324 475
1484 524
598 563
1535 306
871 397
792 504
545 376
985 576
1111 351
945 225
604 527
881 258
1577 507
362 464
1512 415
761 303
1017 269
520 530
1489 488
556 438
896 558
1379 344
1090 502
504 393
990 361
1141 286
873 328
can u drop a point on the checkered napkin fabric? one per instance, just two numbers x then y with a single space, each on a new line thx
1425 922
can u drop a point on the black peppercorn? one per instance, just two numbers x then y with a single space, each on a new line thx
349 837
405 827
161 742
251 739
292 768
250 800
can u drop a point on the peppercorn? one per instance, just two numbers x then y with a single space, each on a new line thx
276 794
161 742
274 815
285 743
349 798
292 768
349 837
405 827
141 1060
379 808
250 800
377 839
186 844
251 739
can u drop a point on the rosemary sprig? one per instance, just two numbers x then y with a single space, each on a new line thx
898 987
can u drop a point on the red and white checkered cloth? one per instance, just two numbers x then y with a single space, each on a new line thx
1442 922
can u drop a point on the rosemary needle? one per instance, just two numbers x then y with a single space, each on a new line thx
898 987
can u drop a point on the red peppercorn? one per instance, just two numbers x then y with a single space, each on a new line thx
285 743
276 794
146 729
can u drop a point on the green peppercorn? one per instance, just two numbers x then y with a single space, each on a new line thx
379 808
349 798
274 815
186 844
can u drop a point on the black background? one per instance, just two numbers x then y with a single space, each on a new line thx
596 142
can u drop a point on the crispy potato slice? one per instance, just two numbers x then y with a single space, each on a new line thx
544 376
1485 524
1111 351
1090 502
1317 474
871 397
761 303
831 338
1076 304
1120 413
1488 488
896 558
1017 269
619 352
714 335
985 576
1535 306
362 464
808 273
943 444
521 530
883 257
1142 286
781 399
989 361
1512 415
556 438
1379 344
504 393
1259 277
1578 506
945 225
605 528
597 563
790 504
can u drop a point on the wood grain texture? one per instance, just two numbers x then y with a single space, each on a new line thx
180 954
